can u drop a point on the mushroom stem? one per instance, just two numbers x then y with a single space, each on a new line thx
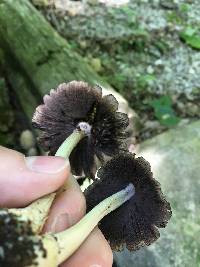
61 246
69 144
37 212
70 239
50 247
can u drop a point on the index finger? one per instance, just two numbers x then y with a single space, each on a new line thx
68 208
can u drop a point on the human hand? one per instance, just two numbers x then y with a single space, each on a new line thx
23 180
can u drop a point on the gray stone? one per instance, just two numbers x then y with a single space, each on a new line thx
27 140
152 125
150 70
192 109
175 160
96 64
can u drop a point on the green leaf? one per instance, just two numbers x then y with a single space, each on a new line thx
191 38
164 112
145 79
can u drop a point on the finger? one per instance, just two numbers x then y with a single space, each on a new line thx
23 180
94 252
68 208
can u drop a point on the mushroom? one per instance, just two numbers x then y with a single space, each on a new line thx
78 123
78 106
136 223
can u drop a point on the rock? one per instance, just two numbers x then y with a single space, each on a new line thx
192 109
175 157
83 44
158 62
183 122
181 107
114 3
150 70
152 125
73 8
168 4
96 64
27 140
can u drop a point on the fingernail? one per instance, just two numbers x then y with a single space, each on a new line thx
46 164
60 223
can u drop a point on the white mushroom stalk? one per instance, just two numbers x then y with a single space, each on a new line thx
36 213
69 144
61 246
70 239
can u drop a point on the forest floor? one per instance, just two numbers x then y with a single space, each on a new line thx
149 51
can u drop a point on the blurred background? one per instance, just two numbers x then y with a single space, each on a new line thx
147 53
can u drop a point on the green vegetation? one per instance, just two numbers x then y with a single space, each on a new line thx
164 111
120 47
191 37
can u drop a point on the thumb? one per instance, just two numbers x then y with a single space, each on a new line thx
24 179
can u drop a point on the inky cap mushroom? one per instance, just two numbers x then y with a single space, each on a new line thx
136 223
77 105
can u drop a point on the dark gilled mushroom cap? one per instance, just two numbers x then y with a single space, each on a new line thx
16 247
77 102
137 221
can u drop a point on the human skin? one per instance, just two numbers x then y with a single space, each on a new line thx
25 179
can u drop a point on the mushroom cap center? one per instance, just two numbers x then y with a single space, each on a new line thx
84 127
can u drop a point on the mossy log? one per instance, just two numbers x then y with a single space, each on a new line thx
34 50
